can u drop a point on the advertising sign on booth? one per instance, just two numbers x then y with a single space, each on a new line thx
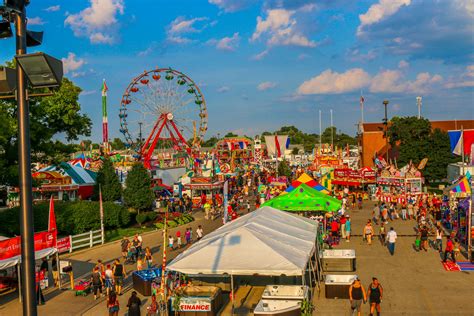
194 304
63 244
10 248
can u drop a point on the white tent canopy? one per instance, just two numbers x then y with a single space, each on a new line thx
267 241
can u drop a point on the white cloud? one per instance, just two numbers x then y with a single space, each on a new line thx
466 5
260 55
232 5
35 21
357 55
71 63
223 89
100 38
78 74
93 21
466 79
177 29
88 92
380 11
402 64
226 43
329 82
393 81
53 8
280 28
180 25
266 85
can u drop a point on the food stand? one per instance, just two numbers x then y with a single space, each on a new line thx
199 186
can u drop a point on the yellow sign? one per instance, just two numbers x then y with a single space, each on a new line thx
422 164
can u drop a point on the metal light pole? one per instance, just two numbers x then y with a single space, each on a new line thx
418 103
385 123
24 162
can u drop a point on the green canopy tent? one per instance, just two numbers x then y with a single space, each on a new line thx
304 199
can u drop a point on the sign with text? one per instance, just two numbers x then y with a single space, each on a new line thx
194 304
10 248
64 244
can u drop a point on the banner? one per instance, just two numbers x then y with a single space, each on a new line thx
10 248
52 220
63 244
276 145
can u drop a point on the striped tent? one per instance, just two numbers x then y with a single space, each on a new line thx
78 174
306 179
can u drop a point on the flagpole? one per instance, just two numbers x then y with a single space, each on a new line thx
320 132
362 107
101 209
332 132
462 150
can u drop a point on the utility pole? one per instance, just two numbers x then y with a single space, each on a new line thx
320 132
140 133
24 163
385 123
332 133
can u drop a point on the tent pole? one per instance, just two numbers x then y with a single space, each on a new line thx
20 294
232 292
59 272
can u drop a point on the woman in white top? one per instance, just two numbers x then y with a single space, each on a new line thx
439 239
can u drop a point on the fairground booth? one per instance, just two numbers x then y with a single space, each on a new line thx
395 185
254 258
458 207
203 189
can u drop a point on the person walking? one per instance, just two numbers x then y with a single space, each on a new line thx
382 233
148 258
369 232
54 269
375 293
109 279
424 237
391 238
170 242
199 232
119 275
124 246
96 280
449 249
342 221
376 213
134 305
113 304
348 228
178 239
357 296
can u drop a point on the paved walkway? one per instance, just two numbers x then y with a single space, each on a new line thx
64 302
415 283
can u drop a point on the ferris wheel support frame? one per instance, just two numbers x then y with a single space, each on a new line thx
147 149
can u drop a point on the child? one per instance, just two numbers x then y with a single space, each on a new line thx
178 238
382 233
139 264
170 242
457 249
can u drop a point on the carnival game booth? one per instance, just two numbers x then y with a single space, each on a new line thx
357 180
82 181
233 151
265 247
202 189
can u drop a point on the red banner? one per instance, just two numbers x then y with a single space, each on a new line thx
64 244
11 247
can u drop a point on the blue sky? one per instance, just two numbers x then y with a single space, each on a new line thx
264 64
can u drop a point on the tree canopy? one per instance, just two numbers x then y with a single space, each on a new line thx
51 116
138 193
413 140
109 183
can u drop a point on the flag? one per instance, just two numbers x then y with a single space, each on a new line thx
52 221
458 147
276 145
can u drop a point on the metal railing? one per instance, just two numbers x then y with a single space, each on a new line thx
89 239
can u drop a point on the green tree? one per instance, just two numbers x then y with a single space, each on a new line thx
230 135
414 140
211 142
138 193
284 169
117 144
109 183
49 117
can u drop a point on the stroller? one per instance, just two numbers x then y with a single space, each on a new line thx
131 255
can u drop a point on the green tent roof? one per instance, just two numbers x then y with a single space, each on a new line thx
305 198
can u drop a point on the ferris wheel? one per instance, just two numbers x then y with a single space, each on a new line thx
163 112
